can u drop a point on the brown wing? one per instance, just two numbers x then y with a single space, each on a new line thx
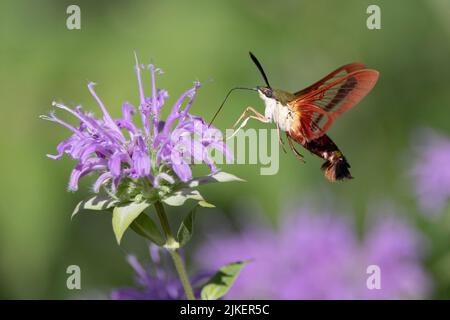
319 106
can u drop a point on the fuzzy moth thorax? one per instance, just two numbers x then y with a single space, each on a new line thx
277 109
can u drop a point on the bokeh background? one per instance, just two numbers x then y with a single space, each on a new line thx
298 42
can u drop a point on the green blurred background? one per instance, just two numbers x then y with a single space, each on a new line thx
298 42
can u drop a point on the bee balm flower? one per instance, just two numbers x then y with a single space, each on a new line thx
156 282
430 171
131 159
317 255
141 166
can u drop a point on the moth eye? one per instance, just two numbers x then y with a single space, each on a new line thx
269 93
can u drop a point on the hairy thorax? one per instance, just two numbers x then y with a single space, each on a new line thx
278 113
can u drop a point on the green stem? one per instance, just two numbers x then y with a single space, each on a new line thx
171 243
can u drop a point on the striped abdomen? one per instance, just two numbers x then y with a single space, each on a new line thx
335 166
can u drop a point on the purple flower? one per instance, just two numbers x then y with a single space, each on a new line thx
155 283
141 158
319 256
431 170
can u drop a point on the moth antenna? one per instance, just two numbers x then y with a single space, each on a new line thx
260 68
224 100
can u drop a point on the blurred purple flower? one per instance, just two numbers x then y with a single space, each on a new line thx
156 283
431 170
319 256
159 152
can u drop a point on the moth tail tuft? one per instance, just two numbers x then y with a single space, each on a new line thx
337 170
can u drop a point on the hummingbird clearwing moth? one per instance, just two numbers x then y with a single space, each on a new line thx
306 115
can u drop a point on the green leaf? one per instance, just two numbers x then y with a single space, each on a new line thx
186 228
222 281
124 215
102 202
146 227
217 177
205 204
179 197
185 191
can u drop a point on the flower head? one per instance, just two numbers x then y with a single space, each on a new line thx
132 159
431 170
319 256
155 282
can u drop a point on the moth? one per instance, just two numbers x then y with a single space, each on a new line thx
306 115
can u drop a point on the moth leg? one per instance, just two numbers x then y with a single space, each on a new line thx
260 117
244 123
299 156
257 116
280 141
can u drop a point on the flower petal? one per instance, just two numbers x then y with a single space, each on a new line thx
181 168
141 163
101 180
114 164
